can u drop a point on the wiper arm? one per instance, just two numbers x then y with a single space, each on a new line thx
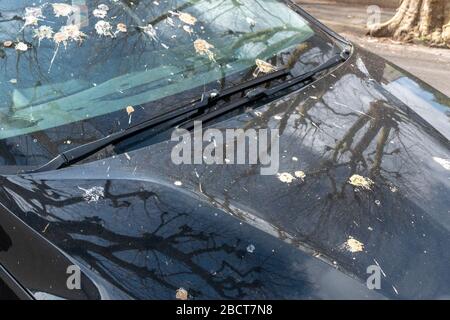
260 93
185 115
170 118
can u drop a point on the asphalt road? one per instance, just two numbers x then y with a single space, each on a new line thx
432 65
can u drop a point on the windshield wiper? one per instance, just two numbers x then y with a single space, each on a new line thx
185 115
260 93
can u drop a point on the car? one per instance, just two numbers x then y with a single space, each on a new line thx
203 150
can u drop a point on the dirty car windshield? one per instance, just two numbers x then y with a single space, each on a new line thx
77 70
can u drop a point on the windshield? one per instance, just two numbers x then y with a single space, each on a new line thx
74 71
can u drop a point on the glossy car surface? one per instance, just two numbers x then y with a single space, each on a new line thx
227 232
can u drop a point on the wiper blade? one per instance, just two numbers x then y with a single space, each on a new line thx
260 93
184 116
170 118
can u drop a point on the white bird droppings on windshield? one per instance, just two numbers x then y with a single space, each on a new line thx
72 33
104 28
32 16
186 18
250 21
101 14
21 46
263 67
101 11
62 9
122 27
43 32
202 47
130 110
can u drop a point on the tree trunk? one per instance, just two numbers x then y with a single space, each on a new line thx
423 20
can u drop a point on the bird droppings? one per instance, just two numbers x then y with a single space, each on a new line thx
353 245
103 7
250 21
295 159
70 33
32 16
182 294
300 174
378 202
122 27
101 11
186 18
21 46
130 110
188 29
251 248
43 32
178 183
60 37
93 194
445 163
101 14
360 181
62 9
203 48
263 67
286 177
393 189
104 28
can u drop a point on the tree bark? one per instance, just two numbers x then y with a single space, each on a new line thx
418 20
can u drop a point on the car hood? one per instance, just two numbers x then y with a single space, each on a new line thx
140 226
